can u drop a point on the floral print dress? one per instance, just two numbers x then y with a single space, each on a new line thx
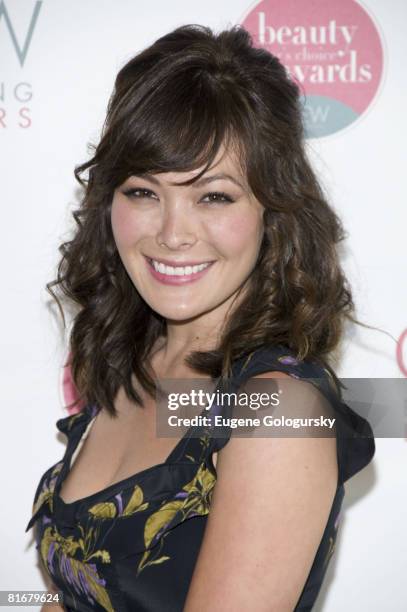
132 547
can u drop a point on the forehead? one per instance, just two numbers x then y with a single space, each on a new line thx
226 162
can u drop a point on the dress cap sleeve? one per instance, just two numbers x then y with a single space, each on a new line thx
354 435
69 423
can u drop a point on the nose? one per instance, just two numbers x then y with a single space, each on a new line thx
178 227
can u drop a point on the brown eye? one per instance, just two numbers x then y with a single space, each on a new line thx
218 197
139 193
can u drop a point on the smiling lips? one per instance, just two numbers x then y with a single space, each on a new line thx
177 275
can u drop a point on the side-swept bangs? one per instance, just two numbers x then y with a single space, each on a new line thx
177 122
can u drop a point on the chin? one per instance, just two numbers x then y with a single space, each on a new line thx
180 314
176 315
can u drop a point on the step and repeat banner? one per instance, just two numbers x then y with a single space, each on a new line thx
59 59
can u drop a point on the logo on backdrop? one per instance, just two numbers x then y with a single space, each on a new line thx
69 392
16 41
401 352
333 50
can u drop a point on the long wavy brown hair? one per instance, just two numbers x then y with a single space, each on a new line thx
172 107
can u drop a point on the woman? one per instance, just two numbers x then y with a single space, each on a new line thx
205 249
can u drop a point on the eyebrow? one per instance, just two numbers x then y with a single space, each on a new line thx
204 180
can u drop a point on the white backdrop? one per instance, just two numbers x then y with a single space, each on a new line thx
52 106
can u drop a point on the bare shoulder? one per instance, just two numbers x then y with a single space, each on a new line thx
269 510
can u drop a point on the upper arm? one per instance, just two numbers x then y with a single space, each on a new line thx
269 509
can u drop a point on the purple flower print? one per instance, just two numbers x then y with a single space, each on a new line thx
50 557
93 410
288 360
120 502
181 495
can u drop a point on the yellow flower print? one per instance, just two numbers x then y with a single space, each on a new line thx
330 552
81 575
104 510
135 503
46 494
193 500
74 417
247 361
108 510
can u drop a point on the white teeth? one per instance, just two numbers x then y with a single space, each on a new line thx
178 270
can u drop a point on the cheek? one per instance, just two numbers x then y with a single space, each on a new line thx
126 226
239 233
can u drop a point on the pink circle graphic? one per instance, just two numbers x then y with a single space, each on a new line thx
332 49
70 393
401 362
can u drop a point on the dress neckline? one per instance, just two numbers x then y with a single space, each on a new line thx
83 419
89 413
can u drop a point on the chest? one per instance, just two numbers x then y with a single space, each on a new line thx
111 450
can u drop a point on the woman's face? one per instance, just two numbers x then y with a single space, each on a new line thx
163 231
